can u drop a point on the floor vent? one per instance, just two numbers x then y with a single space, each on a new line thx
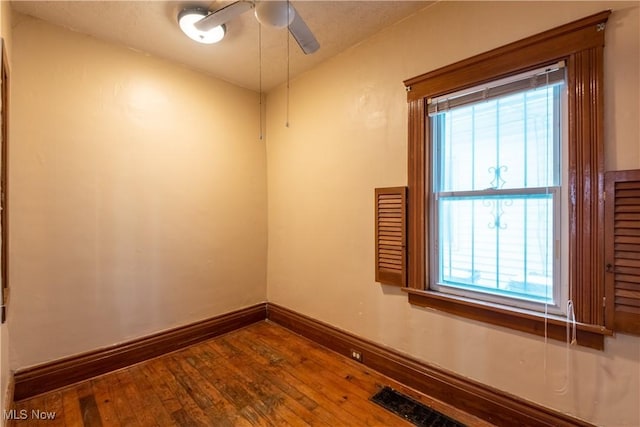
412 410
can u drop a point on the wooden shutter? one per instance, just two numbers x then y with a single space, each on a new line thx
622 250
391 235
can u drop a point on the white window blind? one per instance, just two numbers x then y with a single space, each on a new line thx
541 77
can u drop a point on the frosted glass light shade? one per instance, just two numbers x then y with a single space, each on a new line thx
188 17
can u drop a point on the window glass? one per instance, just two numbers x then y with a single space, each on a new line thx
497 198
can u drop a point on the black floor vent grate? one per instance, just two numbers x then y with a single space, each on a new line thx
412 410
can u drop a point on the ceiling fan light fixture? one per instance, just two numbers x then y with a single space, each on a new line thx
187 19
278 14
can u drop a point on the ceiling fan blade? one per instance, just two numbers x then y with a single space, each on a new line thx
303 35
223 15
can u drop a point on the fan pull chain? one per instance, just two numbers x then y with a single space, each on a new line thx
288 62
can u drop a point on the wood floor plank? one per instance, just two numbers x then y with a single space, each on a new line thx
90 414
201 391
150 400
71 407
274 404
360 380
196 414
104 401
337 403
263 364
261 376
124 411
368 379
199 364
84 389
182 418
235 393
53 406
36 406
166 397
160 388
189 384
365 378
136 400
364 382
309 361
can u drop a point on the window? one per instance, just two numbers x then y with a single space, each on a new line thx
498 215
496 198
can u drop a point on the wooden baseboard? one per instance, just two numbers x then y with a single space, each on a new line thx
60 373
485 402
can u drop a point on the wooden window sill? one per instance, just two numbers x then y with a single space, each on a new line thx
521 320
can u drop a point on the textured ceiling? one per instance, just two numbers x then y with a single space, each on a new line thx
151 26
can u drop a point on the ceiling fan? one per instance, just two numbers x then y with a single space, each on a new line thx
278 14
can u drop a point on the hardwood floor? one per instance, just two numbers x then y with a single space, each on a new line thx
262 375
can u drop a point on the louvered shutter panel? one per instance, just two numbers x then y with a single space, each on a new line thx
391 235
622 250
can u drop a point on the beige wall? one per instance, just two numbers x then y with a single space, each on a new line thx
5 31
138 195
139 198
348 135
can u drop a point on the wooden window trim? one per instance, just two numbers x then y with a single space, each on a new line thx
580 44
